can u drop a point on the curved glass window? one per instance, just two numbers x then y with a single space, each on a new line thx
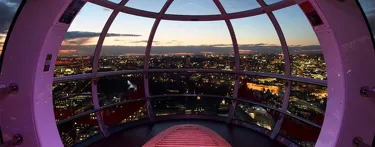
190 105
197 45
124 113
78 47
308 101
78 130
147 5
125 44
264 90
191 70
304 48
232 6
368 7
259 45
257 115
121 88
296 130
8 9
71 98
193 7
197 83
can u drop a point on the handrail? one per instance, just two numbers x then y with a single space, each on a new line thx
176 96
148 71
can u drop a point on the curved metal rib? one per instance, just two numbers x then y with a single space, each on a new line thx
242 14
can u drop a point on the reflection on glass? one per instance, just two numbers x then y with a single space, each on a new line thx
268 91
116 89
258 115
232 6
368 7
78 130
8 9
272 1
193 7
259 44
198 45
124 113
77 49
308 101
125 44
305 52
197 83
71 98
147 5
190 105
299 132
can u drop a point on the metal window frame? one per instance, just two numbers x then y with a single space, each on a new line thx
147 56
223 16
287 65
95 64
241 14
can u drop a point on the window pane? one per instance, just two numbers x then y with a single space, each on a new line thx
197 83
125 44
368 7
259 45
308 101
79 130
296 130
198 45
71 98
193 7
232 6
257 115
306 56
190 105
8 9
77 49
116 89
268 91
124 113
147 5
272 1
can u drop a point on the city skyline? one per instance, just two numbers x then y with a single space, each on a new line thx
88 50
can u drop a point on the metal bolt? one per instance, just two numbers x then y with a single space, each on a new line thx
18 138
364 90
13 88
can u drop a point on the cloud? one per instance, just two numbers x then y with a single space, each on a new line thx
143 41
173 41
7 11
81 38
81 34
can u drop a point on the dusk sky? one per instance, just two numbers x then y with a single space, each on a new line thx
252 30
133 31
